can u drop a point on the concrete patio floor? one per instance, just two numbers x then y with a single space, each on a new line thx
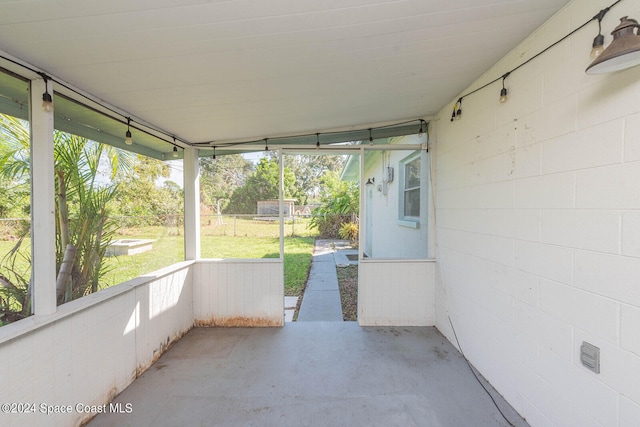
309 374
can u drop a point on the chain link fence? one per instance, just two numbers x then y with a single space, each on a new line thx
13 228
247 225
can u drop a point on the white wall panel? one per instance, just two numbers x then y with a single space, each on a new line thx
396 293
631 234
629 336
600 187
553 172
247 292
94 347
610 276
546 191
631 142
583 149
629 412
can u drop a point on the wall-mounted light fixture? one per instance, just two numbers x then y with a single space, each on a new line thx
622 53
175 151
370 181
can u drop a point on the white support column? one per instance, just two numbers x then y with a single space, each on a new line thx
191 204
43 226
362 232
281 197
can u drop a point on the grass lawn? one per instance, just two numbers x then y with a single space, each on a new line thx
168 248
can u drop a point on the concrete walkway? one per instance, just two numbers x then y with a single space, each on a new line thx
321 300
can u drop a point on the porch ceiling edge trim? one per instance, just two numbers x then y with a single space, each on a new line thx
92 123
328 140
96 120
79 119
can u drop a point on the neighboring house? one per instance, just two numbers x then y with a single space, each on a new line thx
394 223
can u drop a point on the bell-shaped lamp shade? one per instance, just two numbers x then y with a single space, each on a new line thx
622 53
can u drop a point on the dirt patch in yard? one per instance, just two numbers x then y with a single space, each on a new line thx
348 284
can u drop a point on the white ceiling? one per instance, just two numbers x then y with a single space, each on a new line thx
229 70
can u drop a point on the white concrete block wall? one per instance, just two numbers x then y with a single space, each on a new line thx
538 227
239 292
93 347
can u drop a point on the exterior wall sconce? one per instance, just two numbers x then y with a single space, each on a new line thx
370 181
622 53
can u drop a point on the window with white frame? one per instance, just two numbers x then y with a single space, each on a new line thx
15 200
410 188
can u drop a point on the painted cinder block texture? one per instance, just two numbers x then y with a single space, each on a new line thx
546 185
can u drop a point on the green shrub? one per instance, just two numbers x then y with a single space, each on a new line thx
349 231
340 203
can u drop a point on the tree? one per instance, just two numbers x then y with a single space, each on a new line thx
83 224
14 198
220 177
262 185
309 170
142 200
14 160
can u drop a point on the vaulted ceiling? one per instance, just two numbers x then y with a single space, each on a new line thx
231 70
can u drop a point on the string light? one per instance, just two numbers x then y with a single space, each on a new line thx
420 132
503 92
214 152
175 149
127 136
318 143
623 52
370 137
598 41
47 100
266 145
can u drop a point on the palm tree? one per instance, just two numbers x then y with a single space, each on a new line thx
85 173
